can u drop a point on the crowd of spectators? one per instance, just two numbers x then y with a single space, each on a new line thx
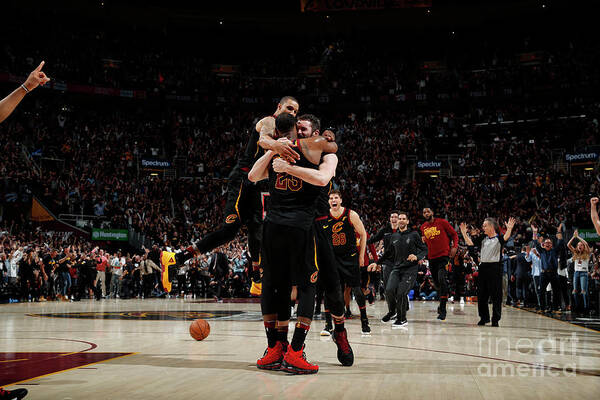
503 116
42 266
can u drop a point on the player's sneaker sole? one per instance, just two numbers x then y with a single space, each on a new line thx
270 367
290 369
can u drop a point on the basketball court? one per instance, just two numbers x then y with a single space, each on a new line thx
138 349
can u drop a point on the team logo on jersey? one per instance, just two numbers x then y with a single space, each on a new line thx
337 227
231 218
313 277
431 232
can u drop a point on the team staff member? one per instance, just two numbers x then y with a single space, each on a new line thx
490 267
408 250
385 234
437 234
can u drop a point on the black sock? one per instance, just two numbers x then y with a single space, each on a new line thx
282 334
299 335
327 318
443 304
271 333
363 313
338 323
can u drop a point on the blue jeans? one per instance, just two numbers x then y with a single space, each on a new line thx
432 295
580 284
65 277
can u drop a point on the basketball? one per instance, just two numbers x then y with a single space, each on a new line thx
199 329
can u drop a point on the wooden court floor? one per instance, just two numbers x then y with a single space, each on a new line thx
141 349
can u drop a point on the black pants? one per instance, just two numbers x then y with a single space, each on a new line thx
438 273
563 284
521 284
490 286
400 281
458 274
549 277
386 270
148 284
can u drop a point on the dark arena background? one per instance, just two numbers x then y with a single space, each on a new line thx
457 142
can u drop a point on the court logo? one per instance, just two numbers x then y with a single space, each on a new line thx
231 218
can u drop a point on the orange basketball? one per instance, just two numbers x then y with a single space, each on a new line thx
199 329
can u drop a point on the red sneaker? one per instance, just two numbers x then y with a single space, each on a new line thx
273 357
16 394
295 362
345 354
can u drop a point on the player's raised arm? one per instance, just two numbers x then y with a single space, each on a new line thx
9 103
317 177
260 169
594 214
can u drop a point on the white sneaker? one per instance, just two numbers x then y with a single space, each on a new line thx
462 300
325 332
451 298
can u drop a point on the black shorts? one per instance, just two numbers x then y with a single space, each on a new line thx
349 270
244 203
288 256
326 260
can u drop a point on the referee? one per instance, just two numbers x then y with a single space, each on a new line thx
490 266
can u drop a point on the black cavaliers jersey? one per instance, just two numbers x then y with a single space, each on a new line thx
292 201
341 233
251 153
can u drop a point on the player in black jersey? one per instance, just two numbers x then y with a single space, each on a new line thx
288 254
342 226
329 280
244 204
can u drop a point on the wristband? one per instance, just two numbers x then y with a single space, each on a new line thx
24 88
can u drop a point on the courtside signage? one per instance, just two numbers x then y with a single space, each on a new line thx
581 157
121 235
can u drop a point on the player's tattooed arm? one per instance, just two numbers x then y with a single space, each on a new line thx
260 169
266 128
